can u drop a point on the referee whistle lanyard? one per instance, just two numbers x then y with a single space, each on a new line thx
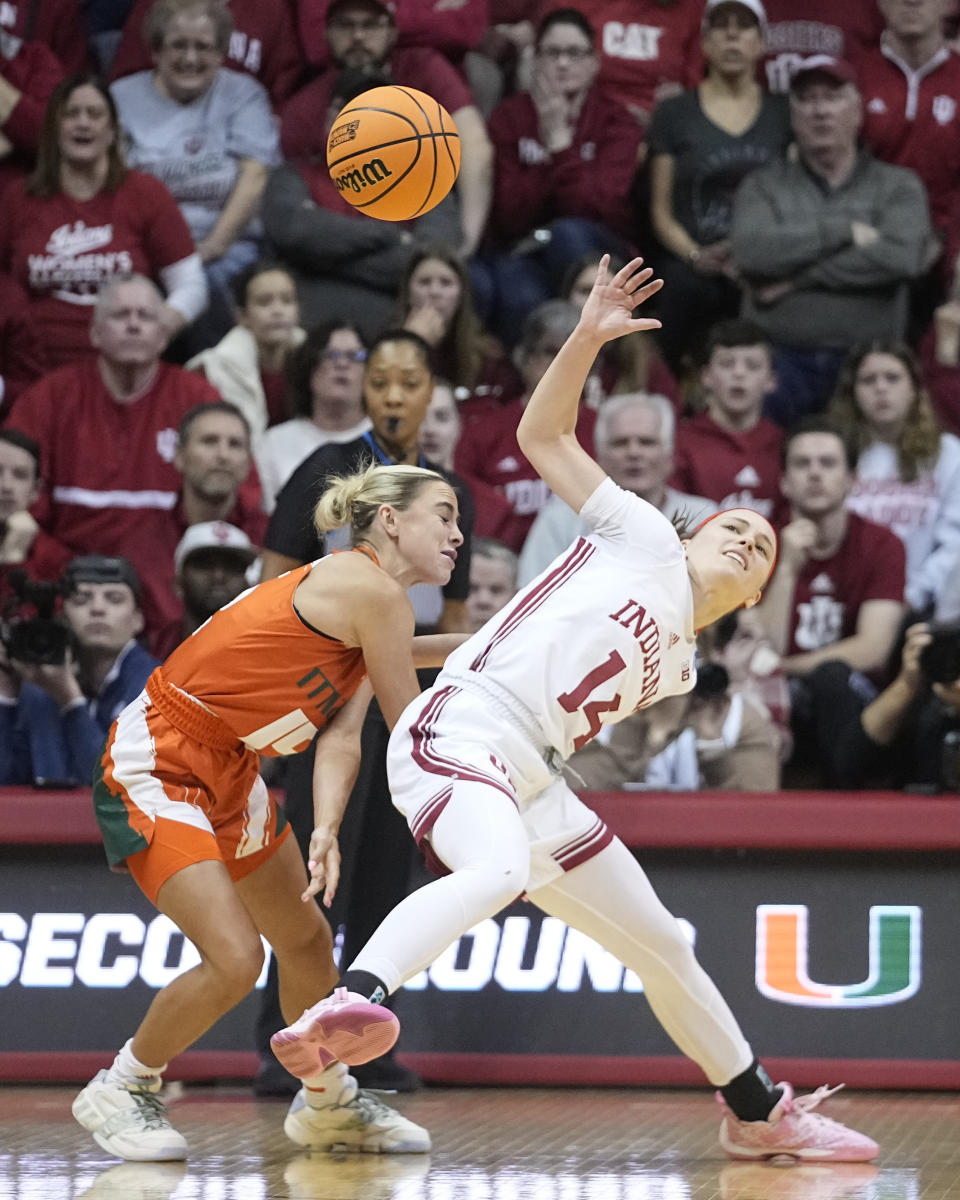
381 455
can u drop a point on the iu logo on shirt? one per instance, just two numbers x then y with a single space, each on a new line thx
944 109
167 444
819 623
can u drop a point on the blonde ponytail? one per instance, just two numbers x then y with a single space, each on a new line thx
354 500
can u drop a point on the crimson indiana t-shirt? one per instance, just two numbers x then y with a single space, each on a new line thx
734 469
870 564
797 29
647 50
488 454
61 250
112 483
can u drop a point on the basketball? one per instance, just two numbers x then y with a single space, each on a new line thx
393 153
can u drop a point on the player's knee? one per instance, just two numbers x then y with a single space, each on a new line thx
237 966
310 940
504 879
668 943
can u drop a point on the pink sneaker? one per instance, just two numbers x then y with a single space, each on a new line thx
344 1026
794 1130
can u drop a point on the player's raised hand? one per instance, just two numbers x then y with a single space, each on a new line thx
608 312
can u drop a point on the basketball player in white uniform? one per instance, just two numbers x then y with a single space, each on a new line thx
475 763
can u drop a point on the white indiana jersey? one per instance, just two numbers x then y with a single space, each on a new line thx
606 629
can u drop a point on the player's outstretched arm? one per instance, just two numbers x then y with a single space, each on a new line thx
336 764
547 430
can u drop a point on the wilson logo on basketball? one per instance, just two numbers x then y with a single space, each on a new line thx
370 173
342 133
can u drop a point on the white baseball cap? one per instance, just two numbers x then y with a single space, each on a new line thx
753 5
209 535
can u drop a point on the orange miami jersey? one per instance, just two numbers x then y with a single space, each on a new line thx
179 778
268 675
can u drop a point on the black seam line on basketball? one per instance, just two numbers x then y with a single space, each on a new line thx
446 143
426 116
420 137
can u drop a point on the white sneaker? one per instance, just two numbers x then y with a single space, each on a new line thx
361 1123
128 1123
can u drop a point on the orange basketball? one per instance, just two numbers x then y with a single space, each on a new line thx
393 153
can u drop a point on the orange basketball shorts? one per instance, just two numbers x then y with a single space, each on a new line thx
164 800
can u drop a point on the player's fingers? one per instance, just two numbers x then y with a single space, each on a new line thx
640 324
644 293
602 269
625 272
311 889
638 280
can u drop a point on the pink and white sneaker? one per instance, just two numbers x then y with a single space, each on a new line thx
794 1130
345 1027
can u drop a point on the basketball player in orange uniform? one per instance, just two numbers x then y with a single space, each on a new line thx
182 806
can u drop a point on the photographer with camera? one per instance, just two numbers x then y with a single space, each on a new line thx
911 732
64 679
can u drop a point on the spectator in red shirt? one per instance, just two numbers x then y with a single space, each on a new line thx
799 28
83 218
56 23
910 86
449 28
564 161
649 49
731 453
22 360
29 72
214 457
488 453
263 44
362 35
107 429
23 544
834 605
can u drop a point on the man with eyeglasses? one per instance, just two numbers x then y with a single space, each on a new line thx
564 162
362 35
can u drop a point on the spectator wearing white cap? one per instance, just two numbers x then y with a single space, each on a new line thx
212 564
702 143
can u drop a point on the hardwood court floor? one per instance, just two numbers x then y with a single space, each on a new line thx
489 1144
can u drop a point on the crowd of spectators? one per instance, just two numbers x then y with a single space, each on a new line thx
196 330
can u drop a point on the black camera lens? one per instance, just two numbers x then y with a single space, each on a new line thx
940 658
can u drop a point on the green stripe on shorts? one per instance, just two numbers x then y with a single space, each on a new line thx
120 839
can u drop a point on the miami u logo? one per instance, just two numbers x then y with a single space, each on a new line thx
894 959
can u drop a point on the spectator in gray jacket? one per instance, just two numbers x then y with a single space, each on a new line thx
633 439
827 240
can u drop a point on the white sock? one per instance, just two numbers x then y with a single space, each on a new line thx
334 1086
128 1070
